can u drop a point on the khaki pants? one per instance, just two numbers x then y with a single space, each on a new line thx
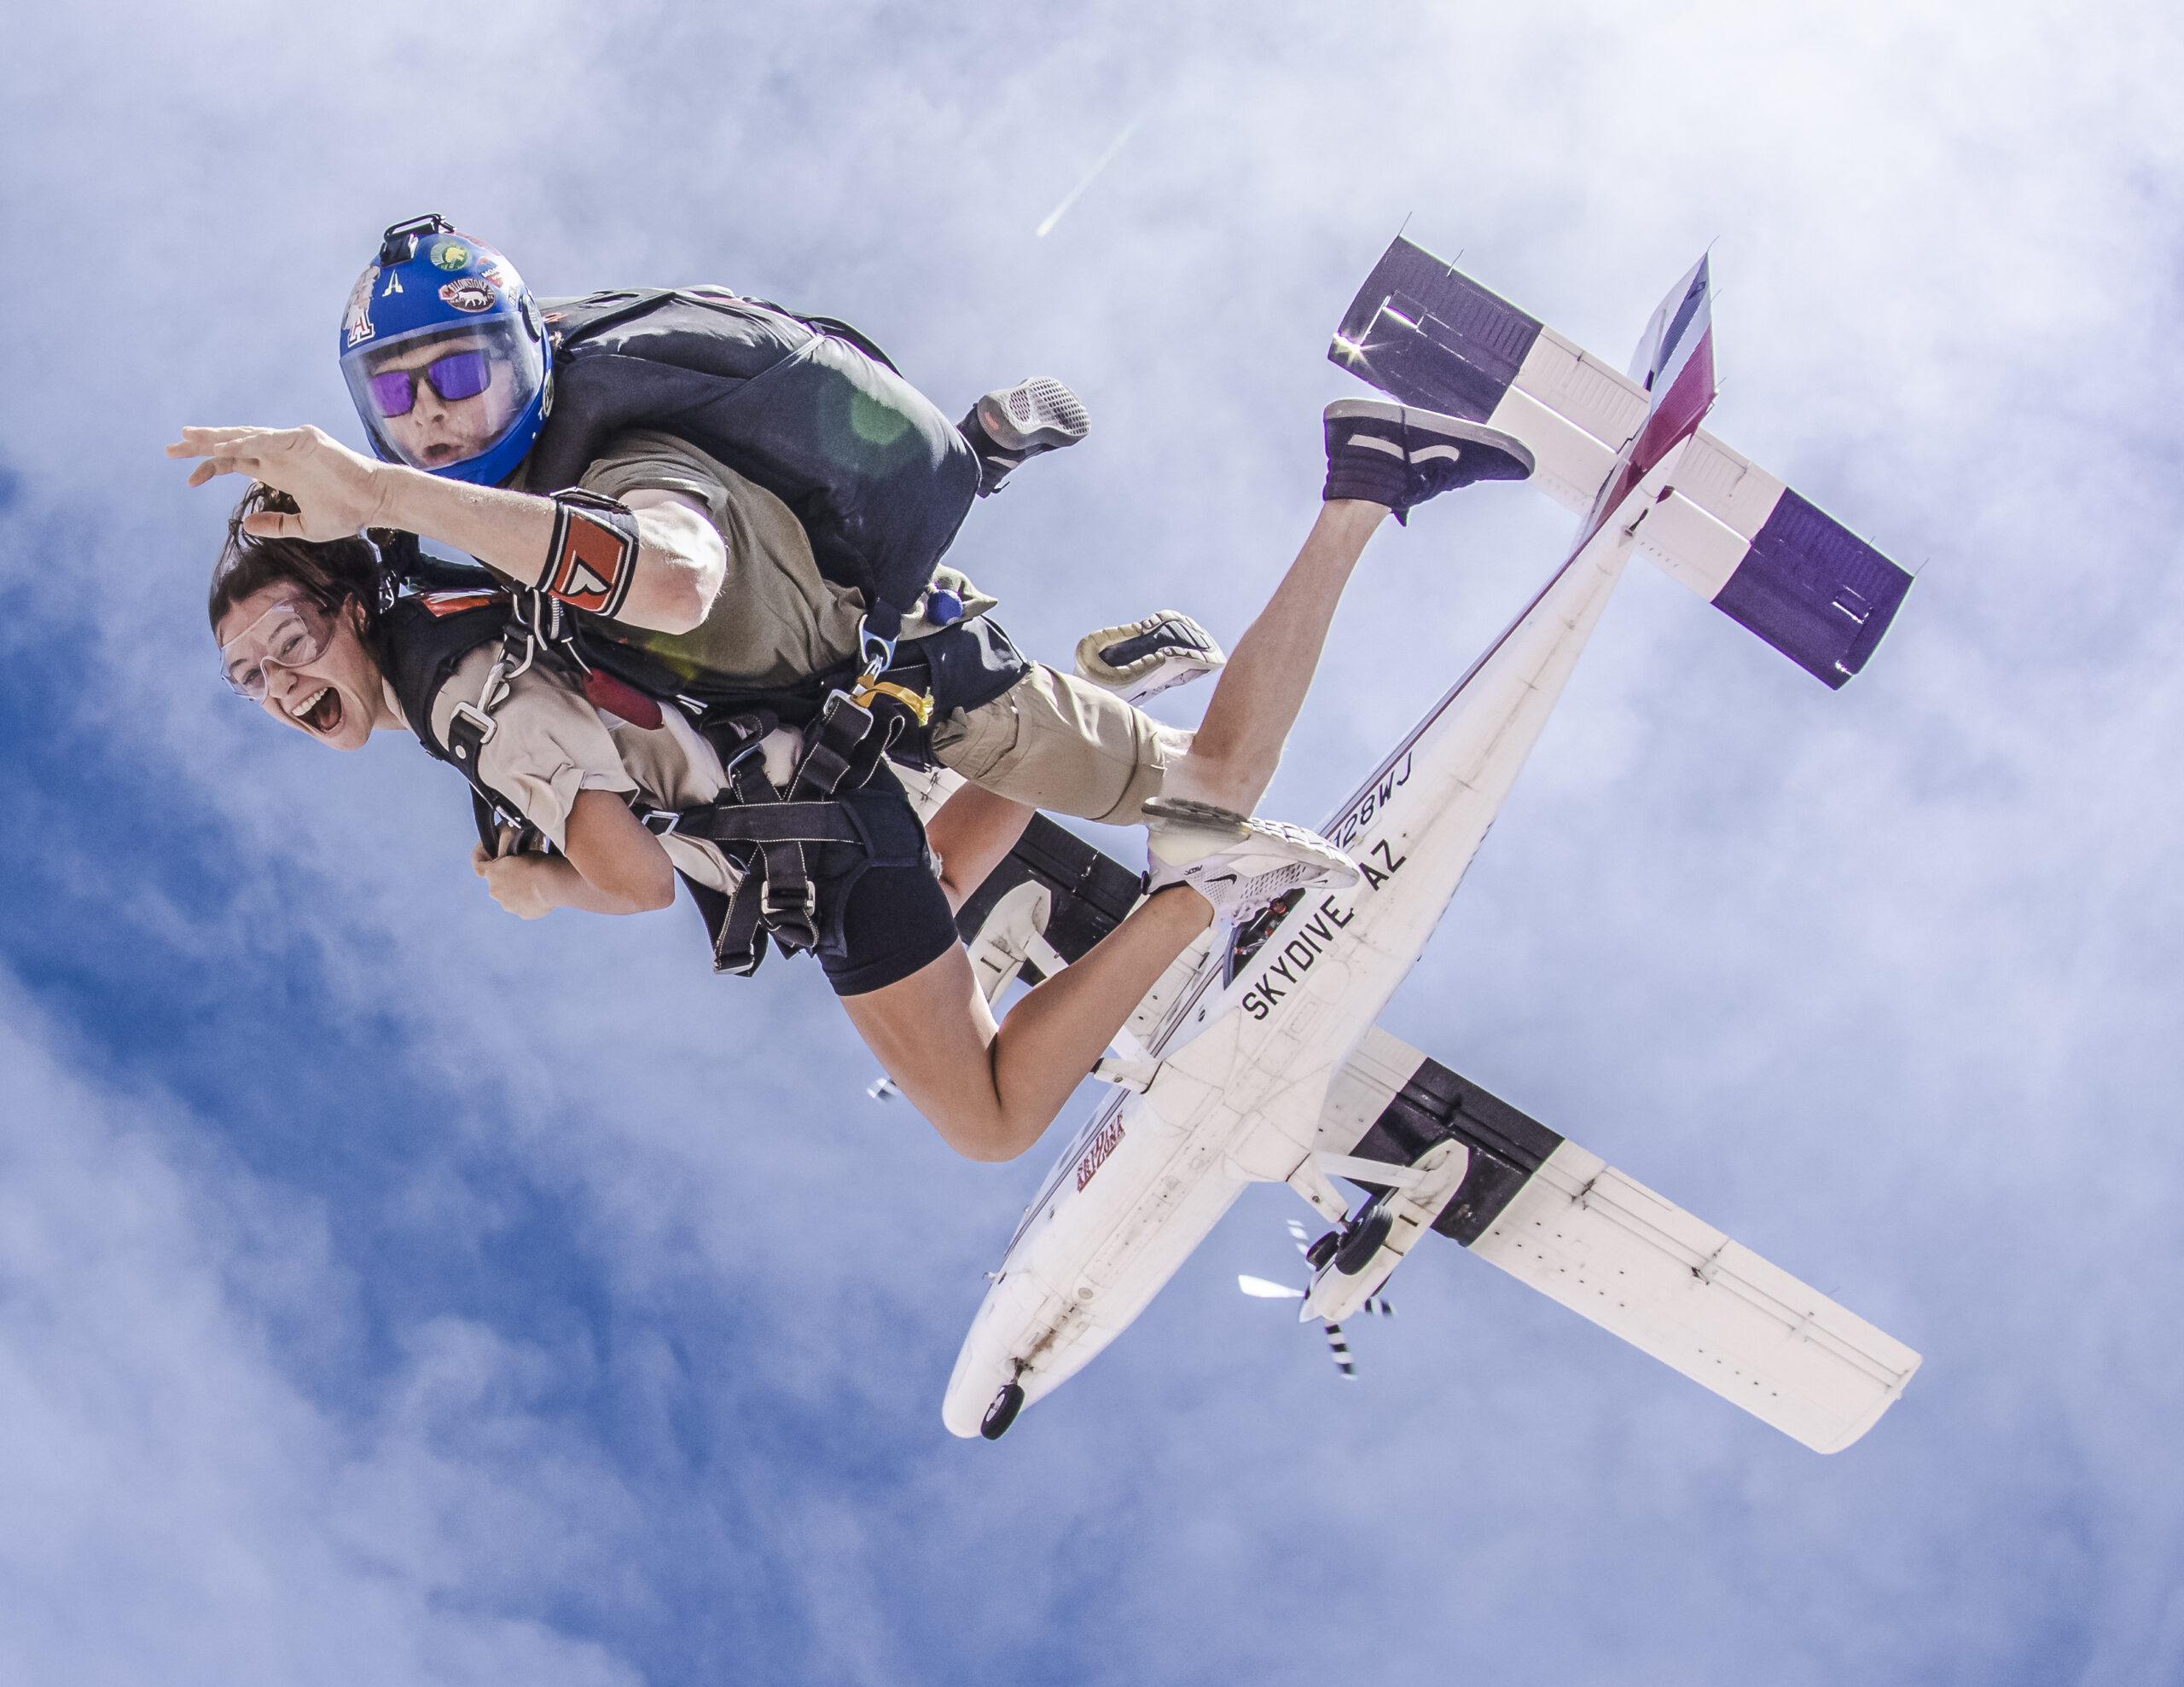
1056 742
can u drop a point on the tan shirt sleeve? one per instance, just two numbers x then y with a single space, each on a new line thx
547 743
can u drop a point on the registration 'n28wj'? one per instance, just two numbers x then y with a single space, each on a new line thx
1377 797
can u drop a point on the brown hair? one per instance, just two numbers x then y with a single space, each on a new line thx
328 572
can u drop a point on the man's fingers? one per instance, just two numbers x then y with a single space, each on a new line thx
206 442
213 468
273 525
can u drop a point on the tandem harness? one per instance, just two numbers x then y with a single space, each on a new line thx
829 802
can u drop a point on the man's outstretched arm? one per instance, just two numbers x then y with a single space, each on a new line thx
678 568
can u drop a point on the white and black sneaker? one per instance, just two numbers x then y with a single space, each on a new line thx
1387 452
1141 659
1014 423
1238 862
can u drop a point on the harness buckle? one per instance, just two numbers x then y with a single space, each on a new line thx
777 906
878 653
486 725
659 821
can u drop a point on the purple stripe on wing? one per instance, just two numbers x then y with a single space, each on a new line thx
1814 590
1431 337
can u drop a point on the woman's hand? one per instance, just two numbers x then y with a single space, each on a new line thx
612 864
523 884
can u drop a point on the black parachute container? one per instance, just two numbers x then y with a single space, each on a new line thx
805 406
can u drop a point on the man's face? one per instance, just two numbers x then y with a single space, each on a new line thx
335 696
434 431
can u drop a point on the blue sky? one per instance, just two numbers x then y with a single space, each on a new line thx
393 1291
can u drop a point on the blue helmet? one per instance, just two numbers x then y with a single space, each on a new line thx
446 356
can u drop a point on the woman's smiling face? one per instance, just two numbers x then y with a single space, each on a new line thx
335 696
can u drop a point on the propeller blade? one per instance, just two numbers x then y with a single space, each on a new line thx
1380 1306
1260 1290
1338 1351
1300 1236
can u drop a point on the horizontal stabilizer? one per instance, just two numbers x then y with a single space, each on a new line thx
1564 1221
1430 336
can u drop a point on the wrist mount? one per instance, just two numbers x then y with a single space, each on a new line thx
592 557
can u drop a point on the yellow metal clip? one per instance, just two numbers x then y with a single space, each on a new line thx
918 704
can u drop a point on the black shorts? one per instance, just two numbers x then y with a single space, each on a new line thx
882 914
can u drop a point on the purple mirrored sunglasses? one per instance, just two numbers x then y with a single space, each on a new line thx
460 374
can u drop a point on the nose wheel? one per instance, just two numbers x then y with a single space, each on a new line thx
1363 1241
1002 1412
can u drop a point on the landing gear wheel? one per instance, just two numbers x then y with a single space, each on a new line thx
1322 1251
1002 1412
1364 1240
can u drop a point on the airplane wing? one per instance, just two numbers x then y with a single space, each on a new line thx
1569 1225
1429 335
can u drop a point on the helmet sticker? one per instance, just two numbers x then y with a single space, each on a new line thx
471 292
357 325
447 253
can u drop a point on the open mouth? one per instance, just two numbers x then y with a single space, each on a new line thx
321 713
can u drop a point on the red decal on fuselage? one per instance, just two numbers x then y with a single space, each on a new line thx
1096 1157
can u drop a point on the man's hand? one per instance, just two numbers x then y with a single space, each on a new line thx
523 884
339 492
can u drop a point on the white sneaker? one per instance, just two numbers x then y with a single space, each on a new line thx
1140 659
1238 862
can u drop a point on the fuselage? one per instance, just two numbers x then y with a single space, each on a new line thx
1240 1067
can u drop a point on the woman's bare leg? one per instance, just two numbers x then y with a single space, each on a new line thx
1255 702
973 835
991 1090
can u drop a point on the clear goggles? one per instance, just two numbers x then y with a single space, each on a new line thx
287 635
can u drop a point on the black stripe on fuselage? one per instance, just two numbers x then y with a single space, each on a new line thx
1431 337
1506 1147
1092 890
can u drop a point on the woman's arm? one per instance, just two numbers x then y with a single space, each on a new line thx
680 560
612 864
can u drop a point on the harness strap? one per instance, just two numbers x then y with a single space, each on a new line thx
788 901
468 734
831 744
762 822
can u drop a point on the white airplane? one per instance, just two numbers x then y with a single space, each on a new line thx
1256 1057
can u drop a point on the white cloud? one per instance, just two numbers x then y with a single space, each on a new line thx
176 1505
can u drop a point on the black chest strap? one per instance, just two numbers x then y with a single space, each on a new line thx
767 833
